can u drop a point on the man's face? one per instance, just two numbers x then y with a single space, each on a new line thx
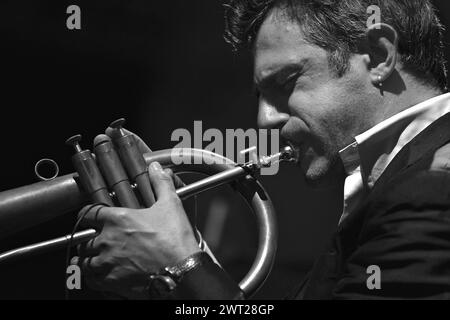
315 110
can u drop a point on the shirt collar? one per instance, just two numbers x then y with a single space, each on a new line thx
372 151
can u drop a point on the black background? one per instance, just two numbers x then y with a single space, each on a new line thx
161 65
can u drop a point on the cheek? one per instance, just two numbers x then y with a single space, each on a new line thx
320 111
317 97
332 110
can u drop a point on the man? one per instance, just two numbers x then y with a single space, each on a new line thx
365 104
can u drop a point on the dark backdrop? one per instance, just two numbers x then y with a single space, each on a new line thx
162 65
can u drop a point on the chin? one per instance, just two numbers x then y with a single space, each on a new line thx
323 173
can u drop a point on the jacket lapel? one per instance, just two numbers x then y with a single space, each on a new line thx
432 138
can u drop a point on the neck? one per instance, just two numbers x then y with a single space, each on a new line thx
400 94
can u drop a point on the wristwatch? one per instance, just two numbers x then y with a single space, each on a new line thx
163 283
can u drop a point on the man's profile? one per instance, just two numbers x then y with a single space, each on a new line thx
359 89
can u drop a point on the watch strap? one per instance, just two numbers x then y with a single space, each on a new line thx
180 269
163 283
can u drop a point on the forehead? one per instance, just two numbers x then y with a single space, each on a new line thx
279 42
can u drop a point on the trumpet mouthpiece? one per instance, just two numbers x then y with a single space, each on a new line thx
289 153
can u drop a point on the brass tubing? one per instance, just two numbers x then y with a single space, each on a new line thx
49 245
31 205
90 177
52 198
211 182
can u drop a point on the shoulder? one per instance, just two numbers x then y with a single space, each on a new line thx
403 228
417 198
425 182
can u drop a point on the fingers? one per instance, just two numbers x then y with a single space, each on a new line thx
143 148
93 216
90 248
161 180
90 265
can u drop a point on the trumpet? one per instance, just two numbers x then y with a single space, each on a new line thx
31 205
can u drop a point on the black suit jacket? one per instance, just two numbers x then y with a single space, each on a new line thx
403 228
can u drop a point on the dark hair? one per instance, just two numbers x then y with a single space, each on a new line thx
339 26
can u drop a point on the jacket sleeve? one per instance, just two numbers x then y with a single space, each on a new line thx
406 234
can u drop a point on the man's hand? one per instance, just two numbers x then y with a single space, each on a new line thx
134 243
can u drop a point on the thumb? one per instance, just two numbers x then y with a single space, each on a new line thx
161 181
178 183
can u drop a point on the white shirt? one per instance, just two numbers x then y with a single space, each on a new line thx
367 158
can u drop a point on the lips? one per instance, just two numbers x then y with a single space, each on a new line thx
296 147
296 133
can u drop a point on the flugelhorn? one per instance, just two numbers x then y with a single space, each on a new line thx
31 205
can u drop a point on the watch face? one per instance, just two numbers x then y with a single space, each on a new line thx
160 286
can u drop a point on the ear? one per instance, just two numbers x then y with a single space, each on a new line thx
383 50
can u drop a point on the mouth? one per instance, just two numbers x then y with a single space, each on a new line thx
296 150
300 137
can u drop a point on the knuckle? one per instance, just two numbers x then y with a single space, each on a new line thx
103 245
111 262
100 242
118 215
74 260
100 261
164 175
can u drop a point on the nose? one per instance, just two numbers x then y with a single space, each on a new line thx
269 116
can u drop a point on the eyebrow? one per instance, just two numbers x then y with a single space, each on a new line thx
274 76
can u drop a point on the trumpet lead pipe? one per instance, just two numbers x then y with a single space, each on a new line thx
218 179
42 247
211 182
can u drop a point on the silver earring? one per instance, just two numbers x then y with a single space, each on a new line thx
380 81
